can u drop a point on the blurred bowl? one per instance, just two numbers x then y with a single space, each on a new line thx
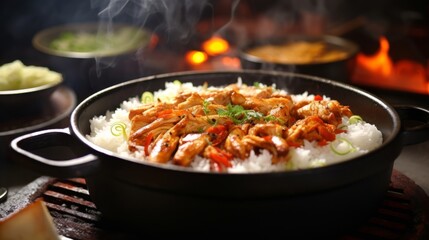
323 56
28 98
90 40
93 56
26 89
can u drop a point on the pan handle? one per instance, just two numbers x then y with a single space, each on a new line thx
415 123
54 152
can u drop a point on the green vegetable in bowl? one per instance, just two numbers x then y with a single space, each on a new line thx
15 76
86 41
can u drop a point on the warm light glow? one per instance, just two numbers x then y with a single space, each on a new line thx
215 46
196 57
231 62
379 70
380 62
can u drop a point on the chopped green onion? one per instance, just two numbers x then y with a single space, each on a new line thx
271 118
206 111
119 128
177 82
355 119
256 84
206 107
147 97
342 150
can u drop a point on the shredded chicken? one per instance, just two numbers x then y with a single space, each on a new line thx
225 124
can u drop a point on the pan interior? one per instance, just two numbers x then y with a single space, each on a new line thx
373 110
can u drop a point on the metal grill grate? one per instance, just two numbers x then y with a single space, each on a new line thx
402 215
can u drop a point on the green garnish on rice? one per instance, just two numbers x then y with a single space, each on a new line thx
147 97
119 129
355 119
342 146
238 114
177 82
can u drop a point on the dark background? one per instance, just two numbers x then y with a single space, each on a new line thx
183 26
20 20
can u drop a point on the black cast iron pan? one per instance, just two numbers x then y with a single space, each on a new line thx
174 199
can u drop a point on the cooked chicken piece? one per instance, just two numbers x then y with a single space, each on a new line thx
157 127
190 146
150 110
181 97
281 94
234 144
277 146
259 142
138 121
331 111
237 98
188 124
143 125
193 143
233 87
143 116
199 124
267 129
252 91
220 159
164 147
264 106
139 111
282 148
193 100
312 129
280 115
222 97
140 128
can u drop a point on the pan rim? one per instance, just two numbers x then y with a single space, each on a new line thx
89 100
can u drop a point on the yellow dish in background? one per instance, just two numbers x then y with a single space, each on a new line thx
325 56
299 52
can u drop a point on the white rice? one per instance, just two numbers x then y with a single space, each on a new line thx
362 136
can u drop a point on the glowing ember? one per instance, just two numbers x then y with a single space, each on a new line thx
215 46
379 70
231 62
380 62
196 57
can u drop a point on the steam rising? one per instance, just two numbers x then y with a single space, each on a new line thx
176 19
173 20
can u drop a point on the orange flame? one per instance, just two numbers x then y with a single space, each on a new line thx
380 62
196 57
379 70
215 46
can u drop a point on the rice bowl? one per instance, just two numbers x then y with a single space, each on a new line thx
358 137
